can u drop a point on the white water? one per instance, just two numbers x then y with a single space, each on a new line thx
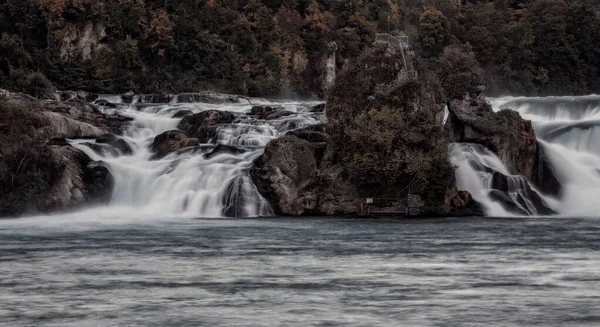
185 183
568 129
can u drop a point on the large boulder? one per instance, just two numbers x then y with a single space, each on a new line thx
526 199
294 177
204 125
460 204
287 175
171 141
505 133
80 182
42 172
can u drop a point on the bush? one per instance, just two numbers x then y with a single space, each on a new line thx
37 85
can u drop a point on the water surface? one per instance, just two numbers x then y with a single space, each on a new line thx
301 272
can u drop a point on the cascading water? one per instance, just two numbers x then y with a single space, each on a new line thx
187 183
568 130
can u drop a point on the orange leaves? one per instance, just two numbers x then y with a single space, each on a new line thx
54 10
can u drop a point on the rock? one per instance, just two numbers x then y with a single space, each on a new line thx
313 133
99 181
203 125
222 148
269 113
260 110
105 103
218 98
4 94
171 141
286 175
318 108
182 113
276 115
504 185
544 176
505 133
77 96
189 98
127 97
116 142
81 182
60 126
462 204
507 202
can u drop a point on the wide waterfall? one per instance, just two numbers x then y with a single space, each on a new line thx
188 183
568 130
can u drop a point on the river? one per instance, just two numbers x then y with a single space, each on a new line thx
301 272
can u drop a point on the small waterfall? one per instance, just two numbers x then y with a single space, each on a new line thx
568 130
190 183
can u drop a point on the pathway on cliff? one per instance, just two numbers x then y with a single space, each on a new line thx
195 181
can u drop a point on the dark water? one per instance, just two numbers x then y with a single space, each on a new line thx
301 272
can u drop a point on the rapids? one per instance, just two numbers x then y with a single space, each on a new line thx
568 130
185 183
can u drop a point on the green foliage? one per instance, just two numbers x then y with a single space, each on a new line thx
37 85
386 142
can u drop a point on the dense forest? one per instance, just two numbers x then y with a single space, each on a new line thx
278 47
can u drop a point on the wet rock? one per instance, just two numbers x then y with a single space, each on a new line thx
526 196
506 134
204 125
183 113
276 115
81 182
269 113
218 98
286 174
189 98
116 142
313 133
318 108
99 181
260 110
462 204
507 202
128 97
222 148
171 141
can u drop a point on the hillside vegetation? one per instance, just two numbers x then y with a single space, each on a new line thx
278 47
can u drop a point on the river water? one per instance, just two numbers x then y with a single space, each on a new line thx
300 272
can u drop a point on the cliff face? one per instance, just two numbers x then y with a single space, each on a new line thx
39 171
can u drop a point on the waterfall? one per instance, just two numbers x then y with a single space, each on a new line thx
188 183
568 130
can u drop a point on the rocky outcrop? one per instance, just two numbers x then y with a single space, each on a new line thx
81 181
204 125
269 113
505 133
461 204
42 172
526 200
313 133
169 142
292 177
